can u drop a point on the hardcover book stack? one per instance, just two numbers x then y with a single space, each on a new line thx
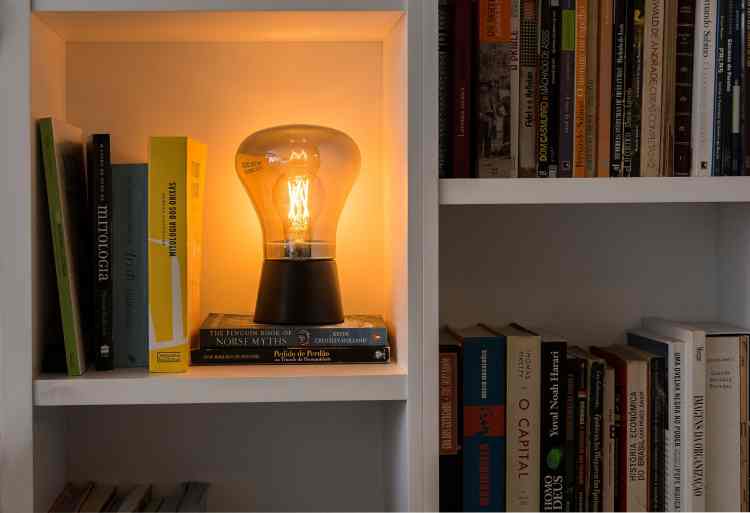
529 422
583 88
100 497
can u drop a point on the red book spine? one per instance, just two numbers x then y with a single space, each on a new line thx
461 93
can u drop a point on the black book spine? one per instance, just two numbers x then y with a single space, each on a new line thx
727 153
658 412
450 419
721 64
619 68
545 94
554 396
100 183
634 90
745 97
737 159
285 336
444 72
580 367
683 152
596 435
302 355
569 460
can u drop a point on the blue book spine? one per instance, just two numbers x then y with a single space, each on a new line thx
130 280
484 384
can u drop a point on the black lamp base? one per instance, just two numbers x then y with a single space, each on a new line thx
299 292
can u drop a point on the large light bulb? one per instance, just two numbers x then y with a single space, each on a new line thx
298 178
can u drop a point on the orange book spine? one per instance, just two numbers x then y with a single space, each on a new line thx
604 92
579 144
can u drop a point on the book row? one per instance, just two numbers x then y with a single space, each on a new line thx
529 422
126 241
583 88
99 497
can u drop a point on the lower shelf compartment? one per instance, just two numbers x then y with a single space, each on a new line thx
226 384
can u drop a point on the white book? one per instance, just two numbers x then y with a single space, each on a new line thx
651 105
694 378
704 87
677 452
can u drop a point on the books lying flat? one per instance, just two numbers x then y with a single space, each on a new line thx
231 330
300 355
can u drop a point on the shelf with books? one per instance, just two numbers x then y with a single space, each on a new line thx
519 191
226 384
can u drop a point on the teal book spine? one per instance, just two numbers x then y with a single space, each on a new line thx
130 264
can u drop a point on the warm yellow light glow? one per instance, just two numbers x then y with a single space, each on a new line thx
299 209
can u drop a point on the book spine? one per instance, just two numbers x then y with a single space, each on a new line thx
461 90
677 453
704 81
261 355
444 93
130 264
657 440
100 193
484 368
596 435
581 64
745 81
723 430
651 108
569 459
684 87
567 85
553 412
744 457
619 68
581 440
293 337
736 163
609 452
637 427
634 90
450 416
592 77
528 76
719 120
497 91
515 82
604 90
522 490
697 439
548 89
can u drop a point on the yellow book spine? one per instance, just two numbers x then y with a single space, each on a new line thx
175 189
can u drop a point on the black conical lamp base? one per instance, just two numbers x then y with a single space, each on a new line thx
299 292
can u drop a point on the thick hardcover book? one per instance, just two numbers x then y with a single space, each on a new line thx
581 64
100 193
694 378
445 20
683 100
571 372
461 97
619 70
65 178
317 354
704 83
238 330
675 403
484 368
631 391
528 77
553 424
567 86
549 71
604 90
609 452
652 98
523 380
657 391
497 124
592 86
130 264
450 417
176 178
633 89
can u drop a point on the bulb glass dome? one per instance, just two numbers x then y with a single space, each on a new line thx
298 178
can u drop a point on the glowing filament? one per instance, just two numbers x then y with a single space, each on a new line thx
299 211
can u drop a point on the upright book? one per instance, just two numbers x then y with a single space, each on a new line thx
528 79
581 64
609 452
100 192
578 469
484 392
653 79
704 84
445 20
450 417
683 97
130 264
65 177
176 176
461 89
567 39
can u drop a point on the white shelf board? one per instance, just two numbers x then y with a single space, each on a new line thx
226 384
218 5
518 191
220 26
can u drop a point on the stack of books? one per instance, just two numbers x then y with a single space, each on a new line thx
583 88
229 338
529 422
99 497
